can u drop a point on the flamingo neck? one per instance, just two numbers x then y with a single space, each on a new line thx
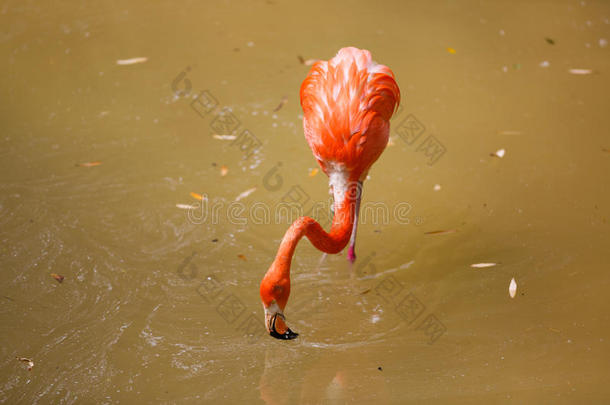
328 242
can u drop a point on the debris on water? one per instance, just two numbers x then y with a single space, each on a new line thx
603 42
197 196
499 153
379 368
549 41
365 291
554 330
313 172
245 193
29 362
451 51
580 71
512 288
306 62
224 170
58 277
440 232
88 164
131 61
517 66
437 187
607 150
483 265
214 240
242 257
186 206
283 101
544 63
224 137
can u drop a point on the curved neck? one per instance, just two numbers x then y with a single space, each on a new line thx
331 242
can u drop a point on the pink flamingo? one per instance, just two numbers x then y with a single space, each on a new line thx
347 104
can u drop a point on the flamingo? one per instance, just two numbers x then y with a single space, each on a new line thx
347 104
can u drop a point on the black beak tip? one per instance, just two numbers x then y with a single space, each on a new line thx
288 335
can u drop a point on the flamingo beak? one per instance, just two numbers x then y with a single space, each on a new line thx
276 325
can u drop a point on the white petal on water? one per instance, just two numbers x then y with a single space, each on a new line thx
225 137
186 206
500 153
482 265
131 61
512 288
580 71
245 193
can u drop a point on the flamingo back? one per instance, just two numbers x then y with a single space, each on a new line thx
347 104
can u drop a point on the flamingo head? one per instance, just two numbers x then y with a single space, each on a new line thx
274 294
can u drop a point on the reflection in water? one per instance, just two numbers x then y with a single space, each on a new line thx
326 380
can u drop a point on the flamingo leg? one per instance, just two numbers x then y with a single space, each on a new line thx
351 252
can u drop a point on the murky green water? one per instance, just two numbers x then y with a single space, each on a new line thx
160 303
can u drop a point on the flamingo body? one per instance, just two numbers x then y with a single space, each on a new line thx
347 104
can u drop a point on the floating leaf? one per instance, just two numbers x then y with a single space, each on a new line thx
549 41
283 101
29 362
245 193
441 232
580 71
301 60
224 137
57 277
89 164
131 61
242 257
482 265
186 206
512 288
224 170
451 50
313 172
197 196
